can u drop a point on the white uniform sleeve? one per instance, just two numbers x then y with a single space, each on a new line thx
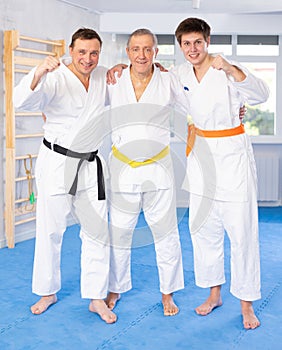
32 100
253 90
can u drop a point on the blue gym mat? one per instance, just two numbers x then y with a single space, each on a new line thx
141 325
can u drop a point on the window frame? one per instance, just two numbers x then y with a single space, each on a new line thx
277 137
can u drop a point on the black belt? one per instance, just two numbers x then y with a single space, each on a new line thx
90 157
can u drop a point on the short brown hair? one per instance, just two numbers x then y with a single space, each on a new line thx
192 25
85 34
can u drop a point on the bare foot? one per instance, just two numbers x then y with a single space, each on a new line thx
99 307
112 299
250 321
43 304
213 301
170 309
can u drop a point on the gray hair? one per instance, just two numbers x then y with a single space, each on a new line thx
143 31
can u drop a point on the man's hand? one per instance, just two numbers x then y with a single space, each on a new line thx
242 112
161 68
118 68
49 64
220 63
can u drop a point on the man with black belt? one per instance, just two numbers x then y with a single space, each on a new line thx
66 91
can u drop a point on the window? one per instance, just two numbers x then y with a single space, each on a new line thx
257 45
259 53
260 119
221 44
166 54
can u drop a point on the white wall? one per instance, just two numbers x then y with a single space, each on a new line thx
167 23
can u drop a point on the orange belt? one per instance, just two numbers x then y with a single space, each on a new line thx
193 131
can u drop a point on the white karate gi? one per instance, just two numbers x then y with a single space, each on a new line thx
63 99
221 178
140 130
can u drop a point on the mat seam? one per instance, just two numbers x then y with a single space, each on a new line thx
258 311
108 342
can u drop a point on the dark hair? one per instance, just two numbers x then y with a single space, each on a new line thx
143 31
191 25
85 34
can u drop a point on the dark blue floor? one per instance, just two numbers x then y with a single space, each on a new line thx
141 324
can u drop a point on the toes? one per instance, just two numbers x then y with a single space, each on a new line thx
203 312
113 319
251 325
247 326
100 308
171 312
37 310
109 318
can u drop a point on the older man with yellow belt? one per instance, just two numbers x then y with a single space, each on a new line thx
141 168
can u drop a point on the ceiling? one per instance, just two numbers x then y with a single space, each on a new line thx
179 6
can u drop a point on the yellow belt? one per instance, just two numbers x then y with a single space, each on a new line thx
193 131
134 164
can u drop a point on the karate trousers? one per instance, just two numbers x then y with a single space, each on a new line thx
160 213
51 223
240 221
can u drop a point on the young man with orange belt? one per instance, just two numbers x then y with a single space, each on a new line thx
221 170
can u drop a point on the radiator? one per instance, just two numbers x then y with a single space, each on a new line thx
268 176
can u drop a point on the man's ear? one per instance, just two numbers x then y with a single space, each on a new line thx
156 52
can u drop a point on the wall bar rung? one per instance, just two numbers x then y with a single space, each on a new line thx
39 52
48 42
26 157
24 136
22 178
20 222
22 200
23 71
28 114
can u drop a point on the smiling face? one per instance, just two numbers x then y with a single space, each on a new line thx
85 56
141 52
194 47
